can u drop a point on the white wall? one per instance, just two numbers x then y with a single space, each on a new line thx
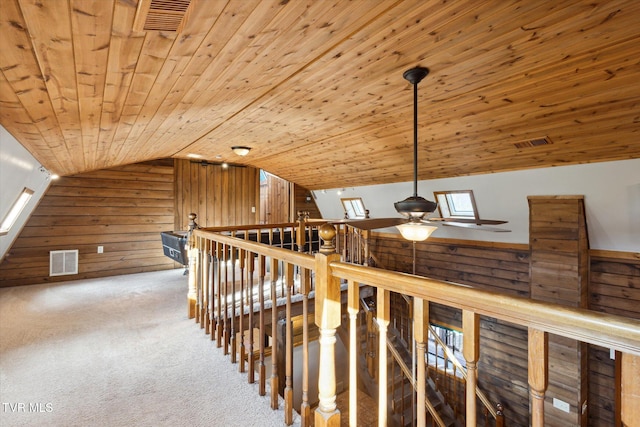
611 192
18 169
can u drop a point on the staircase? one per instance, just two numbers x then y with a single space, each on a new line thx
444 390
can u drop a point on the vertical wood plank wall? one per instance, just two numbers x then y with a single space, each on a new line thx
560 274
122 209
614 288
217 195
304 201
274 200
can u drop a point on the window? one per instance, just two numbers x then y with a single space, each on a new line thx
456 204
15 211
353 208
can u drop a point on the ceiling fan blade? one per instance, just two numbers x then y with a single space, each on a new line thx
373 223
469 221
475 226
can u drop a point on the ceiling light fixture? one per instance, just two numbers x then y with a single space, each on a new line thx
415 207
241 150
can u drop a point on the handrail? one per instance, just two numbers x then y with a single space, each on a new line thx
303 260
483 398
600 329
605 330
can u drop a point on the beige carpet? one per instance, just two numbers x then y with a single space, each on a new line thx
117 352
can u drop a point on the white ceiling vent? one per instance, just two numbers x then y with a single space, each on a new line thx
63 262
161 15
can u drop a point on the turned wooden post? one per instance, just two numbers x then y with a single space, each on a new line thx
471 353
288 372
242 350
383 315
538 374
305 288
353 305
327 315
204 285
225 304
262 372
251 358
192 293
232 316
421 334
274 334
220 259
630 390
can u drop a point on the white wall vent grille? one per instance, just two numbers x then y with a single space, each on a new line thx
63 262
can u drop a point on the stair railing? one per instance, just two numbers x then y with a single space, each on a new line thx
330 273
496 413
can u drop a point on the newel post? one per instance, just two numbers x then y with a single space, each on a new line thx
327 316
192 294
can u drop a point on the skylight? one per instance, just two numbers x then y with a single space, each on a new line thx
16 209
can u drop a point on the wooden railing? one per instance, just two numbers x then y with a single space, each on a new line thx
294 275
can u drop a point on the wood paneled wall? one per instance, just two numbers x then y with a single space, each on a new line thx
122 209
304 201
275 197
219 196
614 288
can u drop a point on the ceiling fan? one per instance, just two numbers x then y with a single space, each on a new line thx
415 226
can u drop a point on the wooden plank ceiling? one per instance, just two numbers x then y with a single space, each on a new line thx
315 87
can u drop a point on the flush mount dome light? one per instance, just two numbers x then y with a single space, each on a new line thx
415 207
241 150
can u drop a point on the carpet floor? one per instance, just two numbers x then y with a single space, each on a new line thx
117 351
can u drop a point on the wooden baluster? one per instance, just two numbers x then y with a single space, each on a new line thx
204 308
211 288
446 376
274 334
288 383
328 318
193 255
437 369
456 396
499 415
234 343
471 351
383 312
538 374
353 301
219 285
630 389
195 275
261 366
242 352
305 288
215 264
371 345
367 234
225 308
420 319
251 358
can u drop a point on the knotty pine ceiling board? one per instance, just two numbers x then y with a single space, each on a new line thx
316 88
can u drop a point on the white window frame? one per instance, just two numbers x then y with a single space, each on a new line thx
16 209
447 201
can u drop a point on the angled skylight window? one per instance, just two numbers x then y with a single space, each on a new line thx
16 209
456 204
353 208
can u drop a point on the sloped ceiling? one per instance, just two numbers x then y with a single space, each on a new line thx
315 88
